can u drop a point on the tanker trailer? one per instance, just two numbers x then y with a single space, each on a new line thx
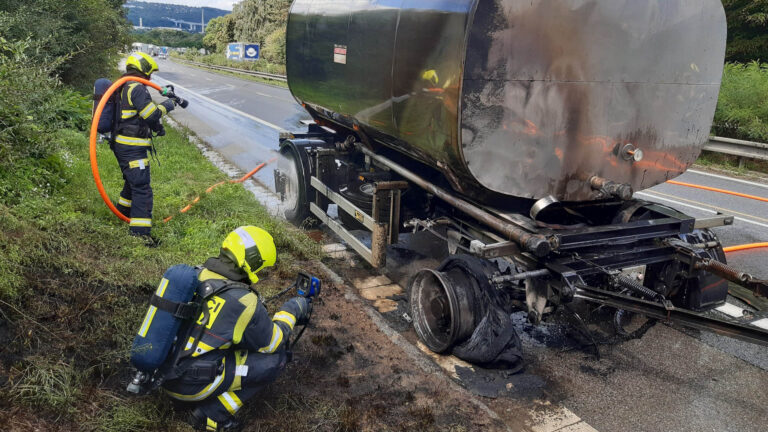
517 131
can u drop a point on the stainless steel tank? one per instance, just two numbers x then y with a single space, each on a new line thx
525 98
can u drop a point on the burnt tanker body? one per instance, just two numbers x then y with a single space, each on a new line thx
517 131
522 98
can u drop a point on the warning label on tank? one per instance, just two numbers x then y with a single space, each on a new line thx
340 54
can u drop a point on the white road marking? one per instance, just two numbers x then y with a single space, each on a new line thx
653 195
731 309
762 323
227 107
722 177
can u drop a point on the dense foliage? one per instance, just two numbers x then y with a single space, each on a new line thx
47 48
741 109
255 21
219 33
81 38
747 30
170 38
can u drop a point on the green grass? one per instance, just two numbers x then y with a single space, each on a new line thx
731 163
75 284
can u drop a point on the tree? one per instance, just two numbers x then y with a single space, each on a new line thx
256 19
219 33
274 47
747 30
82 37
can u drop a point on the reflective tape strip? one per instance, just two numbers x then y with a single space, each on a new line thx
285 317
277 337
148 110
130 89
201 349
250 301
126 114
211 425
141 222
139 163
163 109
245 238
124 202
240 357
152 310
133 141
207 274
205 392
230 401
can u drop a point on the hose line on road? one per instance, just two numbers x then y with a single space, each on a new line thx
735 248
212 187
712 189
94 134
745 247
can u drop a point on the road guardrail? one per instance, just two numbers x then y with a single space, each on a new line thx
740 148
729 146
274 77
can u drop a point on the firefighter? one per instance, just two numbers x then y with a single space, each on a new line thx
234 349
139 118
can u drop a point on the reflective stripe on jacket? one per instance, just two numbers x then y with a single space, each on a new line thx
236 317
139 115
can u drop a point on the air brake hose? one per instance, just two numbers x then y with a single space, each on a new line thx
94 134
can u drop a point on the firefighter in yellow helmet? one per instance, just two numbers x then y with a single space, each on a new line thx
139 118
237 349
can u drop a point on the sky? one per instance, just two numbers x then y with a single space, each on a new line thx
220 4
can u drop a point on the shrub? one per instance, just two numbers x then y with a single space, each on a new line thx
742 111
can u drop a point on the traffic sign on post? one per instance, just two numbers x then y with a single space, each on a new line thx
235 51
251 52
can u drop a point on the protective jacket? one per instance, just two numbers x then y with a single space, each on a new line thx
139 116
234 348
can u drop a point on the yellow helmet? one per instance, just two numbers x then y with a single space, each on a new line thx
250 248
141 62
431 76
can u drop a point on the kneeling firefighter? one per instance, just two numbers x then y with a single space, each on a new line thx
207 338
138 118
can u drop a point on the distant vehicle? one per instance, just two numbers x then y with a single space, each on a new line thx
163 54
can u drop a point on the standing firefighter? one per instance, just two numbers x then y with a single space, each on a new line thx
139 118
225 354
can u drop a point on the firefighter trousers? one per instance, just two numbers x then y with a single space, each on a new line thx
136 198
220 399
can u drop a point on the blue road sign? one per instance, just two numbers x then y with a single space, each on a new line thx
251 52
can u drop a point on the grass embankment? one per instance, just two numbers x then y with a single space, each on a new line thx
75 284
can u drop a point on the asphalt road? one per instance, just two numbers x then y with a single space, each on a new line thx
667 381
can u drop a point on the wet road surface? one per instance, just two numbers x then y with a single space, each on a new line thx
669 380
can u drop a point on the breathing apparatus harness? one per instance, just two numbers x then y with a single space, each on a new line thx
306 286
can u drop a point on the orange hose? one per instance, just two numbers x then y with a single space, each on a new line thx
214 186
745 247
738 194
94 134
